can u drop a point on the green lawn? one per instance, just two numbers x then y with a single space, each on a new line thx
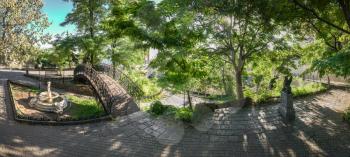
84 107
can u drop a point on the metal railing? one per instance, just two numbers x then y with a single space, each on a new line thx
102 88
126 82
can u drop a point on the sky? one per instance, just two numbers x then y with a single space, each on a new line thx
56 10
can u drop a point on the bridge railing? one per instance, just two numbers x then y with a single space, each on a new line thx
101 87
127 83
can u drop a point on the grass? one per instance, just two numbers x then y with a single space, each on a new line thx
265 95
34 90
308 89
220 98
84 107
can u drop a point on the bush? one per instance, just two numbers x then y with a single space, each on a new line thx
346 115
148 86
157 108
185 114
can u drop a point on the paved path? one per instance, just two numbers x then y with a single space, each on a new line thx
318 131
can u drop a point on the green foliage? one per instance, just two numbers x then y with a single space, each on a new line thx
148 85
44 58
157 108
308 89
303 89
87 15
346 115
124 52
337 64
185 114
84 107
220 98
34 90
22 28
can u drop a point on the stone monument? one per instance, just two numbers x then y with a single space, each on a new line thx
49 101
286 107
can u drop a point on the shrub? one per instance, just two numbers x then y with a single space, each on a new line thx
157 108
170 111
185 114
346 115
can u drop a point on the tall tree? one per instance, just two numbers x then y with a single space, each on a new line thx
87 16
326 10
237 30
21 29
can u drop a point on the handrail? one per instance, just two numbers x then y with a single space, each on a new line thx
102 88
99 85
126 82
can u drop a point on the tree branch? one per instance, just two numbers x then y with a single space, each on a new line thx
313 12
322 35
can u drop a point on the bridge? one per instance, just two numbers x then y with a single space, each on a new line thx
117 93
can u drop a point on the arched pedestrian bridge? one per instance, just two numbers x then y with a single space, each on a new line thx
117 93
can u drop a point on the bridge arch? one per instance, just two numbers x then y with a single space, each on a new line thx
114 98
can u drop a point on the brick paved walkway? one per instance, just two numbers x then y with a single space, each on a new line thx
318 131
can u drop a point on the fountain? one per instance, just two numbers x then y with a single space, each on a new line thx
49 101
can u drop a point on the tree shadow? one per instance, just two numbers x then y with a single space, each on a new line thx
257 131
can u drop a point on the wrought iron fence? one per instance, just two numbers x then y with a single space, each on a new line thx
127 83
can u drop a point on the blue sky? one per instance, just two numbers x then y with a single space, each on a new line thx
56 10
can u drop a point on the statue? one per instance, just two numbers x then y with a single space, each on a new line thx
49 101
286 107
286 84
272 83
49 91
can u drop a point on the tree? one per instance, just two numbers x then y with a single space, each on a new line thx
329 22
87 16
63 50
326 10
20 37
236 30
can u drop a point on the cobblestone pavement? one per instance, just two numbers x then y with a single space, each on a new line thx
318 131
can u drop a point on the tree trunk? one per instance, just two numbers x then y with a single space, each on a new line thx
92 58
328 81
239 87
257 87
345 7
184 99
223 78
189 99
5 58
91 13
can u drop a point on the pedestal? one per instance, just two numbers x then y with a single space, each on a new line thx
286 107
